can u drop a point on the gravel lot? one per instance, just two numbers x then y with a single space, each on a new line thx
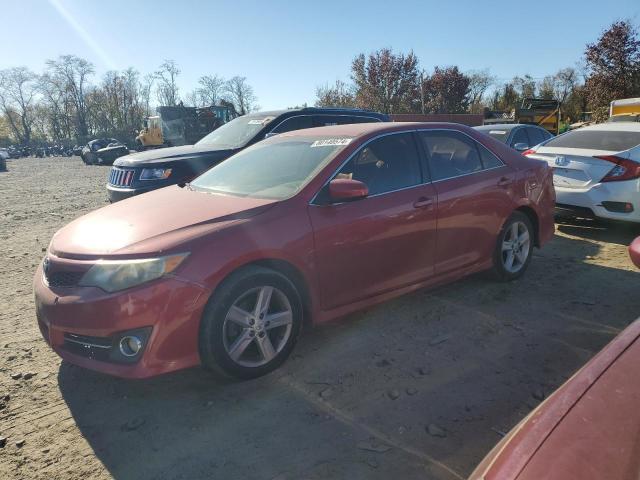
420 387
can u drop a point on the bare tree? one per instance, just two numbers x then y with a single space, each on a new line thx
116 105
58 106
479 82
145 92
337 95
240 93
194 98
72 74
525 87
167 90
211 89
18 88
564 83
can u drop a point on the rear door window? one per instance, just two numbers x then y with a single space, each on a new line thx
328 120
359 119
451 154
611 140
536 136
294 123
520 136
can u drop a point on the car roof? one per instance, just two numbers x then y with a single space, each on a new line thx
505 126
612 126
361 129
318 111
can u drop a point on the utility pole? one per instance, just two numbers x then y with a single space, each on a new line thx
422 91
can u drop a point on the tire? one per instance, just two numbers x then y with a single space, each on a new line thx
511 261
234 341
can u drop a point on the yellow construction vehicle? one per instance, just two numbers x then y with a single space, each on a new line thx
625 110
540 111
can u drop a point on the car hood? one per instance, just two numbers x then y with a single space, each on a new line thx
161 155
152 223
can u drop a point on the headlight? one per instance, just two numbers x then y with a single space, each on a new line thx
115 275
155 173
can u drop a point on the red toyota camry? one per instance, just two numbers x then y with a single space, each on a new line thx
303 227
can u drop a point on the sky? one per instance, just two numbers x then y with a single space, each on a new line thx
286 49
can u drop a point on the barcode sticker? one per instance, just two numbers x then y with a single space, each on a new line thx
331 142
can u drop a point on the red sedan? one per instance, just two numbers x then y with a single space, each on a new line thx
303 227
587 430
634 252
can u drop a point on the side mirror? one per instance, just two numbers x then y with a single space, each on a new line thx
270 134
344 190
521 147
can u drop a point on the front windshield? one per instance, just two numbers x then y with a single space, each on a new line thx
276 169
236 133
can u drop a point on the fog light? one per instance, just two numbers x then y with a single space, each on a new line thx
130 345
618 207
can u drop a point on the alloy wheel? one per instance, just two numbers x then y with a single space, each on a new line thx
257 326
516 245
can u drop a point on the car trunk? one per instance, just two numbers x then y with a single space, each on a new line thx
575 167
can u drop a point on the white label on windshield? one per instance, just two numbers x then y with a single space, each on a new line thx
497 132
331 142
262 121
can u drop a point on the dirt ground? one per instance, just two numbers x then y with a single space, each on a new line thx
420 387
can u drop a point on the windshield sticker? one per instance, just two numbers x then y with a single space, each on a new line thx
331 142
260 121
497 132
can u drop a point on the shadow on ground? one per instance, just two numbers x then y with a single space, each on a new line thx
470 358
611 232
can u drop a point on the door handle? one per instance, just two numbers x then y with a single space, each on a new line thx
504 182
423 202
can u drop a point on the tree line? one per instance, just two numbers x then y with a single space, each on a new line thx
64 105
394 83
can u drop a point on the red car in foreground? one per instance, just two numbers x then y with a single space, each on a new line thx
634 252
589 429
303 227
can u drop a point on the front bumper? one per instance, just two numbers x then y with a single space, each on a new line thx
170 307
581 201
120 193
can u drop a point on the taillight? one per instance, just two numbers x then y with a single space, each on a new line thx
528 152
624 169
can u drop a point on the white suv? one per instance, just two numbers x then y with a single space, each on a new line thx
596 170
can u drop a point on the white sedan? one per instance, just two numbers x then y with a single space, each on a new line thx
596 170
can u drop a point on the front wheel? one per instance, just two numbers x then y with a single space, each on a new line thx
251 324
514 247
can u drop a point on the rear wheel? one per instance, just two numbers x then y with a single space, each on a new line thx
251 323
514 247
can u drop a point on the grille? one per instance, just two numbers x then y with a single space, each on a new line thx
63 279
96 348
121 177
